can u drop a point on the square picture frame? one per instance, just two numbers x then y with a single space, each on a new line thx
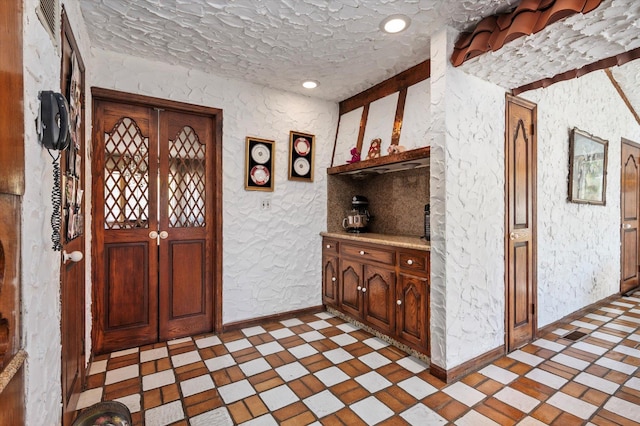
301 156
259 164
587 168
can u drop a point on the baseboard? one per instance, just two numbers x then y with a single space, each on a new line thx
577 314
465 368
270 318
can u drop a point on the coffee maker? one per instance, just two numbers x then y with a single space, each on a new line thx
358 218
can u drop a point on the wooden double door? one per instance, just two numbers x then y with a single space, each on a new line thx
629 216
153 199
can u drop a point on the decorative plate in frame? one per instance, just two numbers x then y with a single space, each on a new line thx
301 153
259 164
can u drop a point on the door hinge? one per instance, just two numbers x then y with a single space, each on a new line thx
533 129
533 309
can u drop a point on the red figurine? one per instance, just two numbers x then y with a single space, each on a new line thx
355 156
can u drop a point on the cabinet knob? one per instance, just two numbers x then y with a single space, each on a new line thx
333 279
359 288
364 289
399 302
328 245
409 262
361 252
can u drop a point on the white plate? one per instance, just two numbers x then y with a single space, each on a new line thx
259 175
301 166
302 146
260 153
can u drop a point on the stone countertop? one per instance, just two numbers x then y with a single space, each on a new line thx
403 241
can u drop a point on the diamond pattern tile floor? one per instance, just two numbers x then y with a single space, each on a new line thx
318 369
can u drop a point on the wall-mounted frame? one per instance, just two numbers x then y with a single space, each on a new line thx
259 164
587 168
301 153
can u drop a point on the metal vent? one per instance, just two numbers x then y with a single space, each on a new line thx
49 14
574 335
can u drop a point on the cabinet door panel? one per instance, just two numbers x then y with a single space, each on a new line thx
379 298
330 280
413 311
350 285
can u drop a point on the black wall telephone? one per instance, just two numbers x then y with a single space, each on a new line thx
53 121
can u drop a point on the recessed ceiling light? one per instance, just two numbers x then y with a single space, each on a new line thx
395 23
310 84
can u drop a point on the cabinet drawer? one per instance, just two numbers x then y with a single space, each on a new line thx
414 261
366 253
329 246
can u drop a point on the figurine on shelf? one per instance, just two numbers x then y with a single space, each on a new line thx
374 149
396 149
355 156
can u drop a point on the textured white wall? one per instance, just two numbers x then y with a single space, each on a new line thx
271 258
578 245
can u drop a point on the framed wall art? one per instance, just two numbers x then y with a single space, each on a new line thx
587 168
260 161
301 153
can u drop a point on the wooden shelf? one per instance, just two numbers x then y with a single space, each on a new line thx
407 160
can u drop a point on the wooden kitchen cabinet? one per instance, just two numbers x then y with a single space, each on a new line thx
384 287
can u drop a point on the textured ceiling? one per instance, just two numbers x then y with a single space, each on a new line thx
280 43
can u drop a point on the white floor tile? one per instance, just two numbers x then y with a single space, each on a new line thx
420 415
473 418
526 358
634 337
547 344
154 354
624 305
375 343
331 376
319 325
303 351
157 380
237 345
517 399
464 393
417 388
634 311
616 365
291 322
498 374
560 331
324 315
185 359
121 374
98 367
348 327
530 421
596 382
265 420
312 336
253 331
218 417
583 324
632 299
256 366
196 385
546 378
279 397
572 405
323 403
633 383
207 342
269 348
89 397
588 347
412 364
164 414
132 402
374 360
570 361
220 362
623 408
627 351
619 327
236 391
281 333
124 352
373 382
343 339
337 356
292 371
178 341
371 410
612 310
606 337
598 317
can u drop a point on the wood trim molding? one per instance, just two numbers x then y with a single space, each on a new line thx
465 368
624 97
270 318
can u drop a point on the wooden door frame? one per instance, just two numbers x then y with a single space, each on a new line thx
100 94
624 141
534 214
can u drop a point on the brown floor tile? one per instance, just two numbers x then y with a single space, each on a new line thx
289 411
151 399
394 421
496 415
596 370
148 368
353 395
595 397
194 370
616 377
474 379
250 356
123 361
392 353
163 364
256 406
239 412
220 378
505 409
332 420
312 382
574 389
210 395
301 419
546 413
95 380
300 389
235 374
268 384
602 421
532 388
350 418
390 400
120 389
520 368
489 387
437 400
628 397
453 410
354 367
616 418
558 369
344 387
566 419
170 393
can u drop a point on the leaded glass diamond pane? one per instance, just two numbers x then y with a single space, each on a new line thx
186 180
126 177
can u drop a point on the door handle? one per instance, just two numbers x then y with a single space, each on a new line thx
626 226
164 235
153 235
74 256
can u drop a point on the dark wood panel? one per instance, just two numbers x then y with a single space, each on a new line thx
330 280
520 176
10 232
416 262
187 281
368 253
351 281
521 301
413 311
12 407
379 298
629 199
630 254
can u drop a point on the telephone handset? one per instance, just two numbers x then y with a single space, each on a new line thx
53 121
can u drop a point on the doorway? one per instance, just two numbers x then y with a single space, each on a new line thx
629 199
156 220
520 218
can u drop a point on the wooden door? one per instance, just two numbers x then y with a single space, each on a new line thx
413 310
125 209
520 238
629 199
350 281
379 298
185 223
329 280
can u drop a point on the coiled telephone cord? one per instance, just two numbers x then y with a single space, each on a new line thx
56 201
